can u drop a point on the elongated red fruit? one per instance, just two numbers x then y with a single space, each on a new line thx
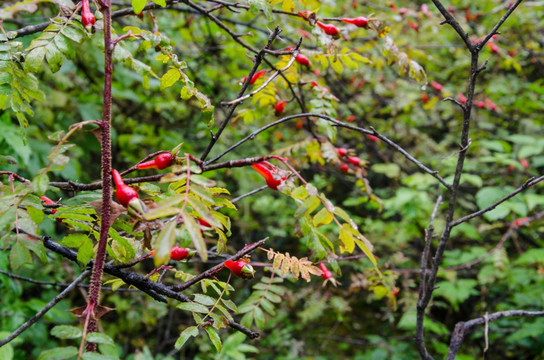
303 60
354 160
327 274
280 107
329 29
162 161
87 17
341 151
257 75
48 201
360 21
241 269
270 174
462 98
127 196
179 253
438 87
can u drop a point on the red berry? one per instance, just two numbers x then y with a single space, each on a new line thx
327 274
329 29
480 104
304 33
270 173
344 167
257 75
341 151
511 167
524 163
521 221
354 160
424 98
241 269
178 253
124 193
493 47
350 118
491 104
303 60
462 98
304 14
360 21
373 138
162 161
280 107
87 17
413 25
438 87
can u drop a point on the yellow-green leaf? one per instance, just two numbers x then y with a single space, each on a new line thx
323 217
196 236
306 208
163 244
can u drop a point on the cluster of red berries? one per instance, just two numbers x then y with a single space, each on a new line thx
345 158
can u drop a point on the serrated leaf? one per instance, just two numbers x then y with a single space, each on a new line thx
66 332
204 299
323 217
99 338
85 251
40 184
19 255
53 56
196 236
74 240
306 208
191 331
35 214
193 307
59 353
170 78
214 337
164 243
347 239
34 59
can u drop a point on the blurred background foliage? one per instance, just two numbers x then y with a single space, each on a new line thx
392 205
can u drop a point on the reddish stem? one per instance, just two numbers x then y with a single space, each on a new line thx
96 278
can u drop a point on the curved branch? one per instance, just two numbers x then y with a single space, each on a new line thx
462 327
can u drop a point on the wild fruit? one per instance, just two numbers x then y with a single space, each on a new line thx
344 167
280 107
271 174
373 138
47 201
127 196
413 25
491 104
327 274
438 87
178 253
162 161
462 98
360 21
241 269
524 163
87 17
341 151
350 118
329 29
425 98
354 160
303 60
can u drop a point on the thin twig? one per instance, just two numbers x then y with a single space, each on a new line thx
46 308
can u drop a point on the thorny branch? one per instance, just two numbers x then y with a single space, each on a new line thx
425 295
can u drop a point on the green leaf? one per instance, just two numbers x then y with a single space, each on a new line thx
97 356
323 217
58 353
7 219
66 332
138 5
193 307
34 59
19 255
99 338
196 235
35 214
191 331
306 208
347 238
204 212
86 251
170 78
160 2
214 337
204 299
74 240
40 184
163 244
53 56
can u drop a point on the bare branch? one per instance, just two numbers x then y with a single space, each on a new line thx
462 327
454 24
46 308
532 181
499 24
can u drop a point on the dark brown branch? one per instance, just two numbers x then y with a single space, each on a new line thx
214 270
46 308
250 334
14 175
462 327
526 185
499 24
454 24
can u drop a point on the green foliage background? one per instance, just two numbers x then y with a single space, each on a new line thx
392 208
